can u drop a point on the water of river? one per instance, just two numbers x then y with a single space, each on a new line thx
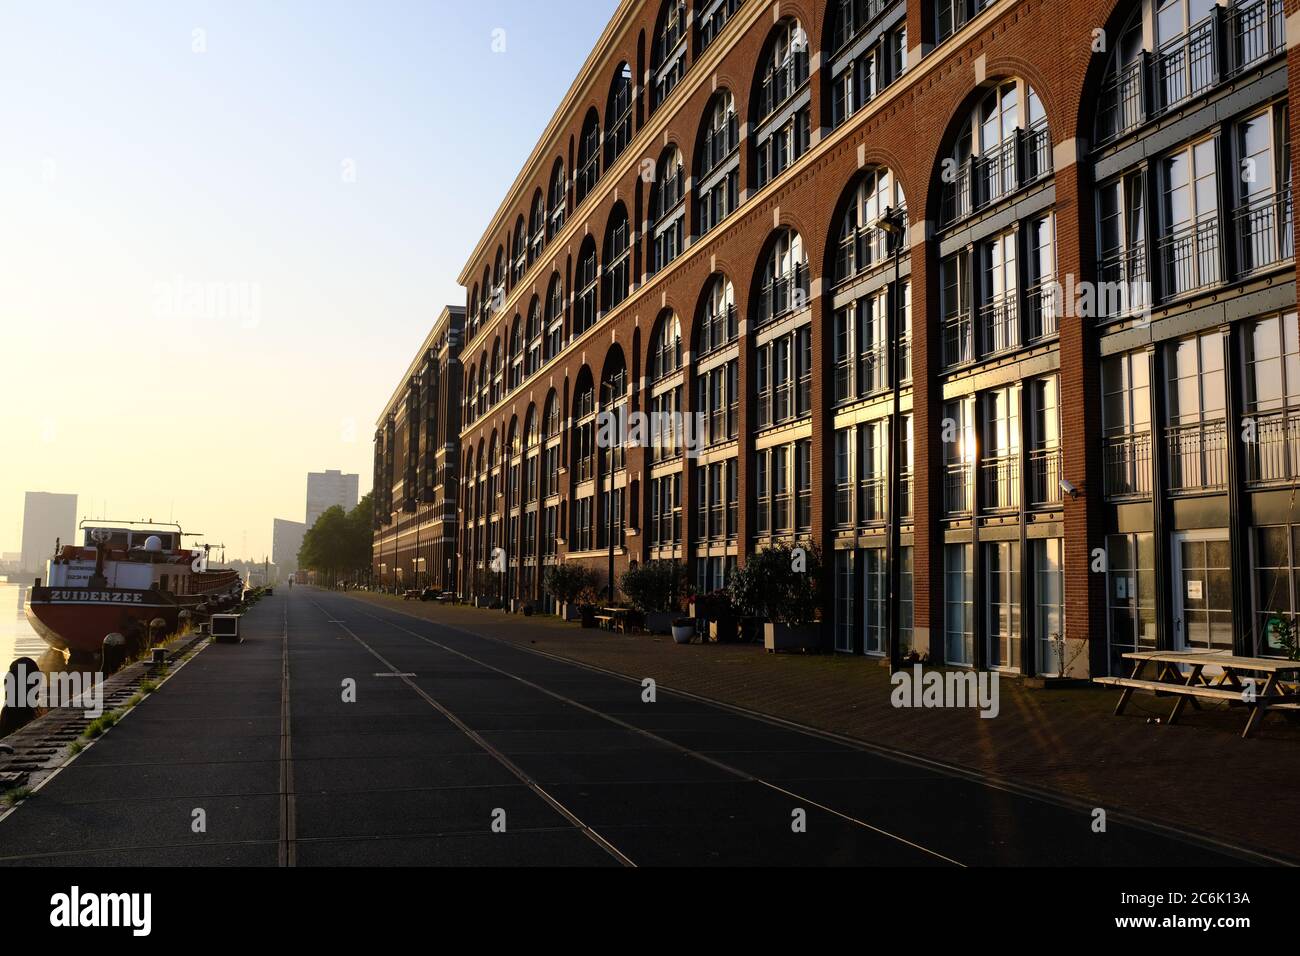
17 639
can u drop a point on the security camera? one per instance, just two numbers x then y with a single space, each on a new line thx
1070 490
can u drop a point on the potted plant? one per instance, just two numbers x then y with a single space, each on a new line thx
683 630
573 586
716 609
656 590
782 585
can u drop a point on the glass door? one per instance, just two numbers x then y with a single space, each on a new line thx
1203 593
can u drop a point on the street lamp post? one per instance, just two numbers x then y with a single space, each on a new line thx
892 224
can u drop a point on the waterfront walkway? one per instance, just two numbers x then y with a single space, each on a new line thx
462 748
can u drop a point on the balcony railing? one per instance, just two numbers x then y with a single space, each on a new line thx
873 502
1197 457
984 180
1044 477
958 489
781 83
1001 483
999 324
958 348
1233 39
1189 256
1044 311
1264 230
1123 275
859 250
784 294
719 143
1274 456
853 16
1126 466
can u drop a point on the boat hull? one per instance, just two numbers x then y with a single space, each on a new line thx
78 619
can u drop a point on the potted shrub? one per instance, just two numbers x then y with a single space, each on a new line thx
683 630
573 587
717 610
656 590
782 585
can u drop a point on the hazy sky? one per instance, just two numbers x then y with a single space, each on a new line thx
226 227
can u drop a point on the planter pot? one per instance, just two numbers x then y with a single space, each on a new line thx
588 617
785 637
659 622
570 612
683 633
751 630
723 631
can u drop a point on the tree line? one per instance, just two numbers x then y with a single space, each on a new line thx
338 545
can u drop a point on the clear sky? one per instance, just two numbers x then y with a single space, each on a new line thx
226 227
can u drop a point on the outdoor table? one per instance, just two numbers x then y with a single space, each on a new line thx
1181 674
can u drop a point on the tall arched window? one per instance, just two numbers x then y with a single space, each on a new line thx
554 317
537 228
1002 146
666 351
667 207
784 278
618 257
533 338
558 200
718 325
863 245
519 257
586 300
618 114
781 134
668 59
711 16
471 317
867 51
499 278
516 360
588 156
496 386
717 187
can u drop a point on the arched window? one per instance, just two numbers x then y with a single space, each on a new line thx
666 351
537 228
711 16
1002 146
586 300
784 278
559 200
782 135
618 114
487 303
519 257
588 156
718 173
952 15
667 208
471 317
618 257
867 51
494 394
499 279
533 338
551 418
718 326
614 393
554 317
668 58
516 354
863 244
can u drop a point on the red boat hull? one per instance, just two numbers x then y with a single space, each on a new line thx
78 619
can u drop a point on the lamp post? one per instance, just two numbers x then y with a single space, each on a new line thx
892 224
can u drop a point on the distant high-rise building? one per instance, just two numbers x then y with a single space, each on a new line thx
286 539
46 518
327 489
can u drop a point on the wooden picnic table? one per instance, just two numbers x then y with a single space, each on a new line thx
1181 674
614 618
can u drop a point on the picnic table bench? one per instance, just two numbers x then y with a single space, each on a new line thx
615 619
1181 674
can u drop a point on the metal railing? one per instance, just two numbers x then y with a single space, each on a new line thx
1186 66
873 502
859 250
1044 310
781 83
853 16
1189 256
984 180
999 324
718 330
1274 455
784 294
958 346
1123 277
1257 29
958 489
1044 477
719 143
1126 466
1001 483
1123 103
1197 457
1264 231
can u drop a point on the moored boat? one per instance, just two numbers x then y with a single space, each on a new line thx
123 578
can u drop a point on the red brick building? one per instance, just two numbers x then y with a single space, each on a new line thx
416 462
1057 418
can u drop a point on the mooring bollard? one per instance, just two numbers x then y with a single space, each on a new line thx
113 654
16 713
159 656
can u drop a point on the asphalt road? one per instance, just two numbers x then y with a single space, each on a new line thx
459 750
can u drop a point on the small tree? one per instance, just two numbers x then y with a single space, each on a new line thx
656 587
570 583
782 584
